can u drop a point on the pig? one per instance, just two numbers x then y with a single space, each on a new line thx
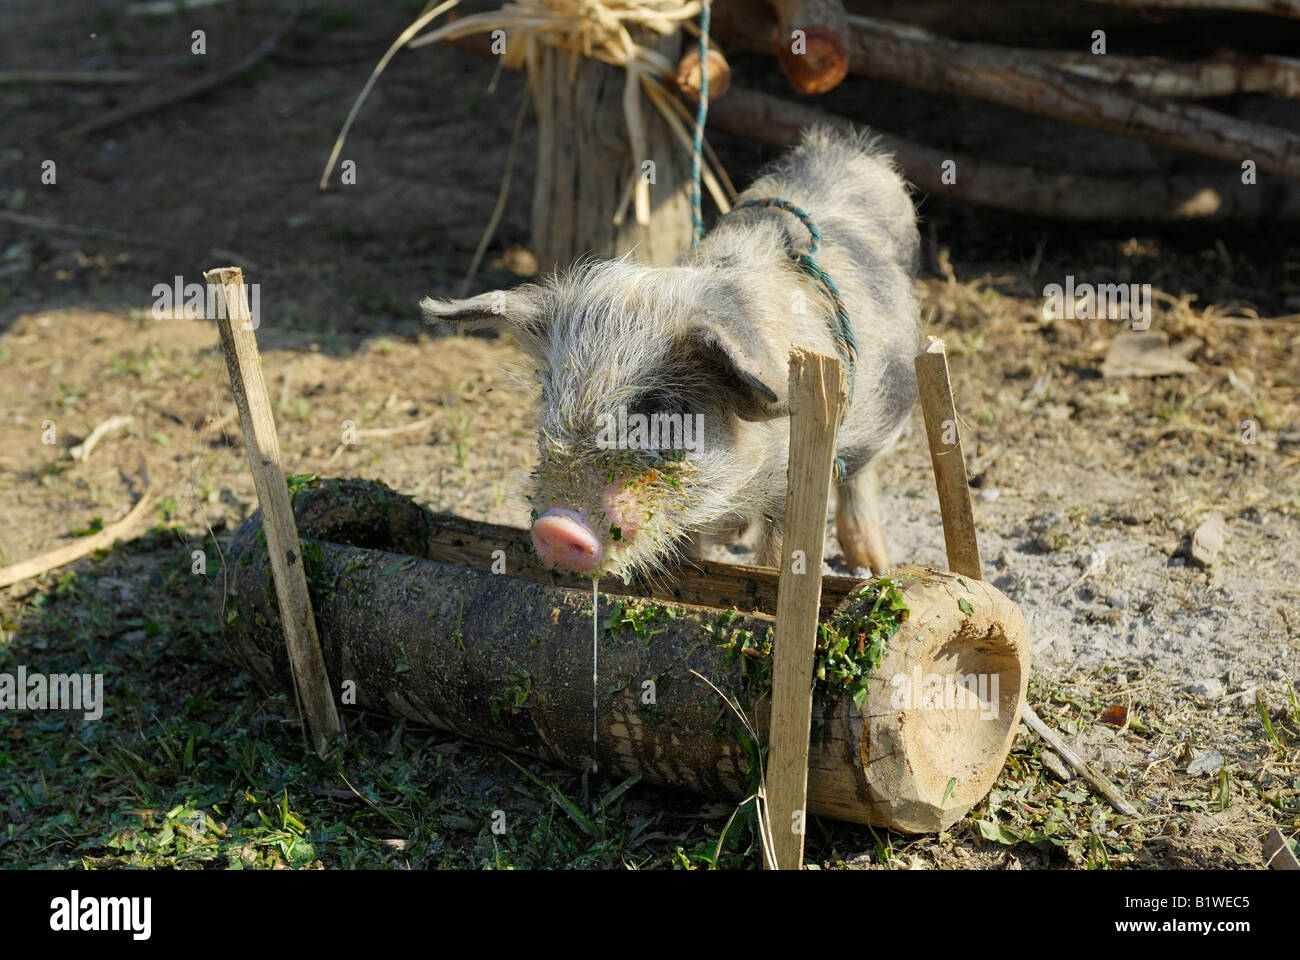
701 349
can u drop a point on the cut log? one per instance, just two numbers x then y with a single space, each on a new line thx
1172 199
811 43
498 659
688 74
1007 77
1223 77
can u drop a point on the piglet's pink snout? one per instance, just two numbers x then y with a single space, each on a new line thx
564 539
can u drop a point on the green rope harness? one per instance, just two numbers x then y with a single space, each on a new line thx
846 344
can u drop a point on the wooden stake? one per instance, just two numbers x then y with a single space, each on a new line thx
305 660
816 398
949 463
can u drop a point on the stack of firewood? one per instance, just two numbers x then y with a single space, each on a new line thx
1110 81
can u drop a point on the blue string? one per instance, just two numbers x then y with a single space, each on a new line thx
697 214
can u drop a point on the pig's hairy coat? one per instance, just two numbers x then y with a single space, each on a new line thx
611 333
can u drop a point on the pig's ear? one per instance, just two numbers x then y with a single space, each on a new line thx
747 368
518 310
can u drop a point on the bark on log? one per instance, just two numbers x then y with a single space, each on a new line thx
506 661
810 43
1174 199
1005 76
1179 198
1223 77
1005 21
585 164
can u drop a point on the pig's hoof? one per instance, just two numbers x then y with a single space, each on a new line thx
865 549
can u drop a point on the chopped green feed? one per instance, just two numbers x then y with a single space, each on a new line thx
852 643
849 646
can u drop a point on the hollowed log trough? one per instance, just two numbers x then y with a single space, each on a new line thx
415 624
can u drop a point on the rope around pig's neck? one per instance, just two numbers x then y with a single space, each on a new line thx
846 344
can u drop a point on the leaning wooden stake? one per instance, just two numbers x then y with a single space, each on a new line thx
308 666
949 462
816 397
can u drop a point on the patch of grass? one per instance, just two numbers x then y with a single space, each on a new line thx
137 363
193 766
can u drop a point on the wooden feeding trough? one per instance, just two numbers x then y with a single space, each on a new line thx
414 623
454 624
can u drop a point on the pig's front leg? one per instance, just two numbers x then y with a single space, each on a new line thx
857 522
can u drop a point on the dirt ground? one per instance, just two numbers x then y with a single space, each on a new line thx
1088 489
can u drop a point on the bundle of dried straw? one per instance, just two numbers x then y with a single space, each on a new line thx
597 29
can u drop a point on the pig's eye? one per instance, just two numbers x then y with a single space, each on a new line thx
655 402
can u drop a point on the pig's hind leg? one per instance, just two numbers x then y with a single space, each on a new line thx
857 522
767 550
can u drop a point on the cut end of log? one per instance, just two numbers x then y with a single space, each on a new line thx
821 67
945 703
688 74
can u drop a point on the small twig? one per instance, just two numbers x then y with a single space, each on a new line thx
72 229
1104 786
16 573
83 450
404 428
180 94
